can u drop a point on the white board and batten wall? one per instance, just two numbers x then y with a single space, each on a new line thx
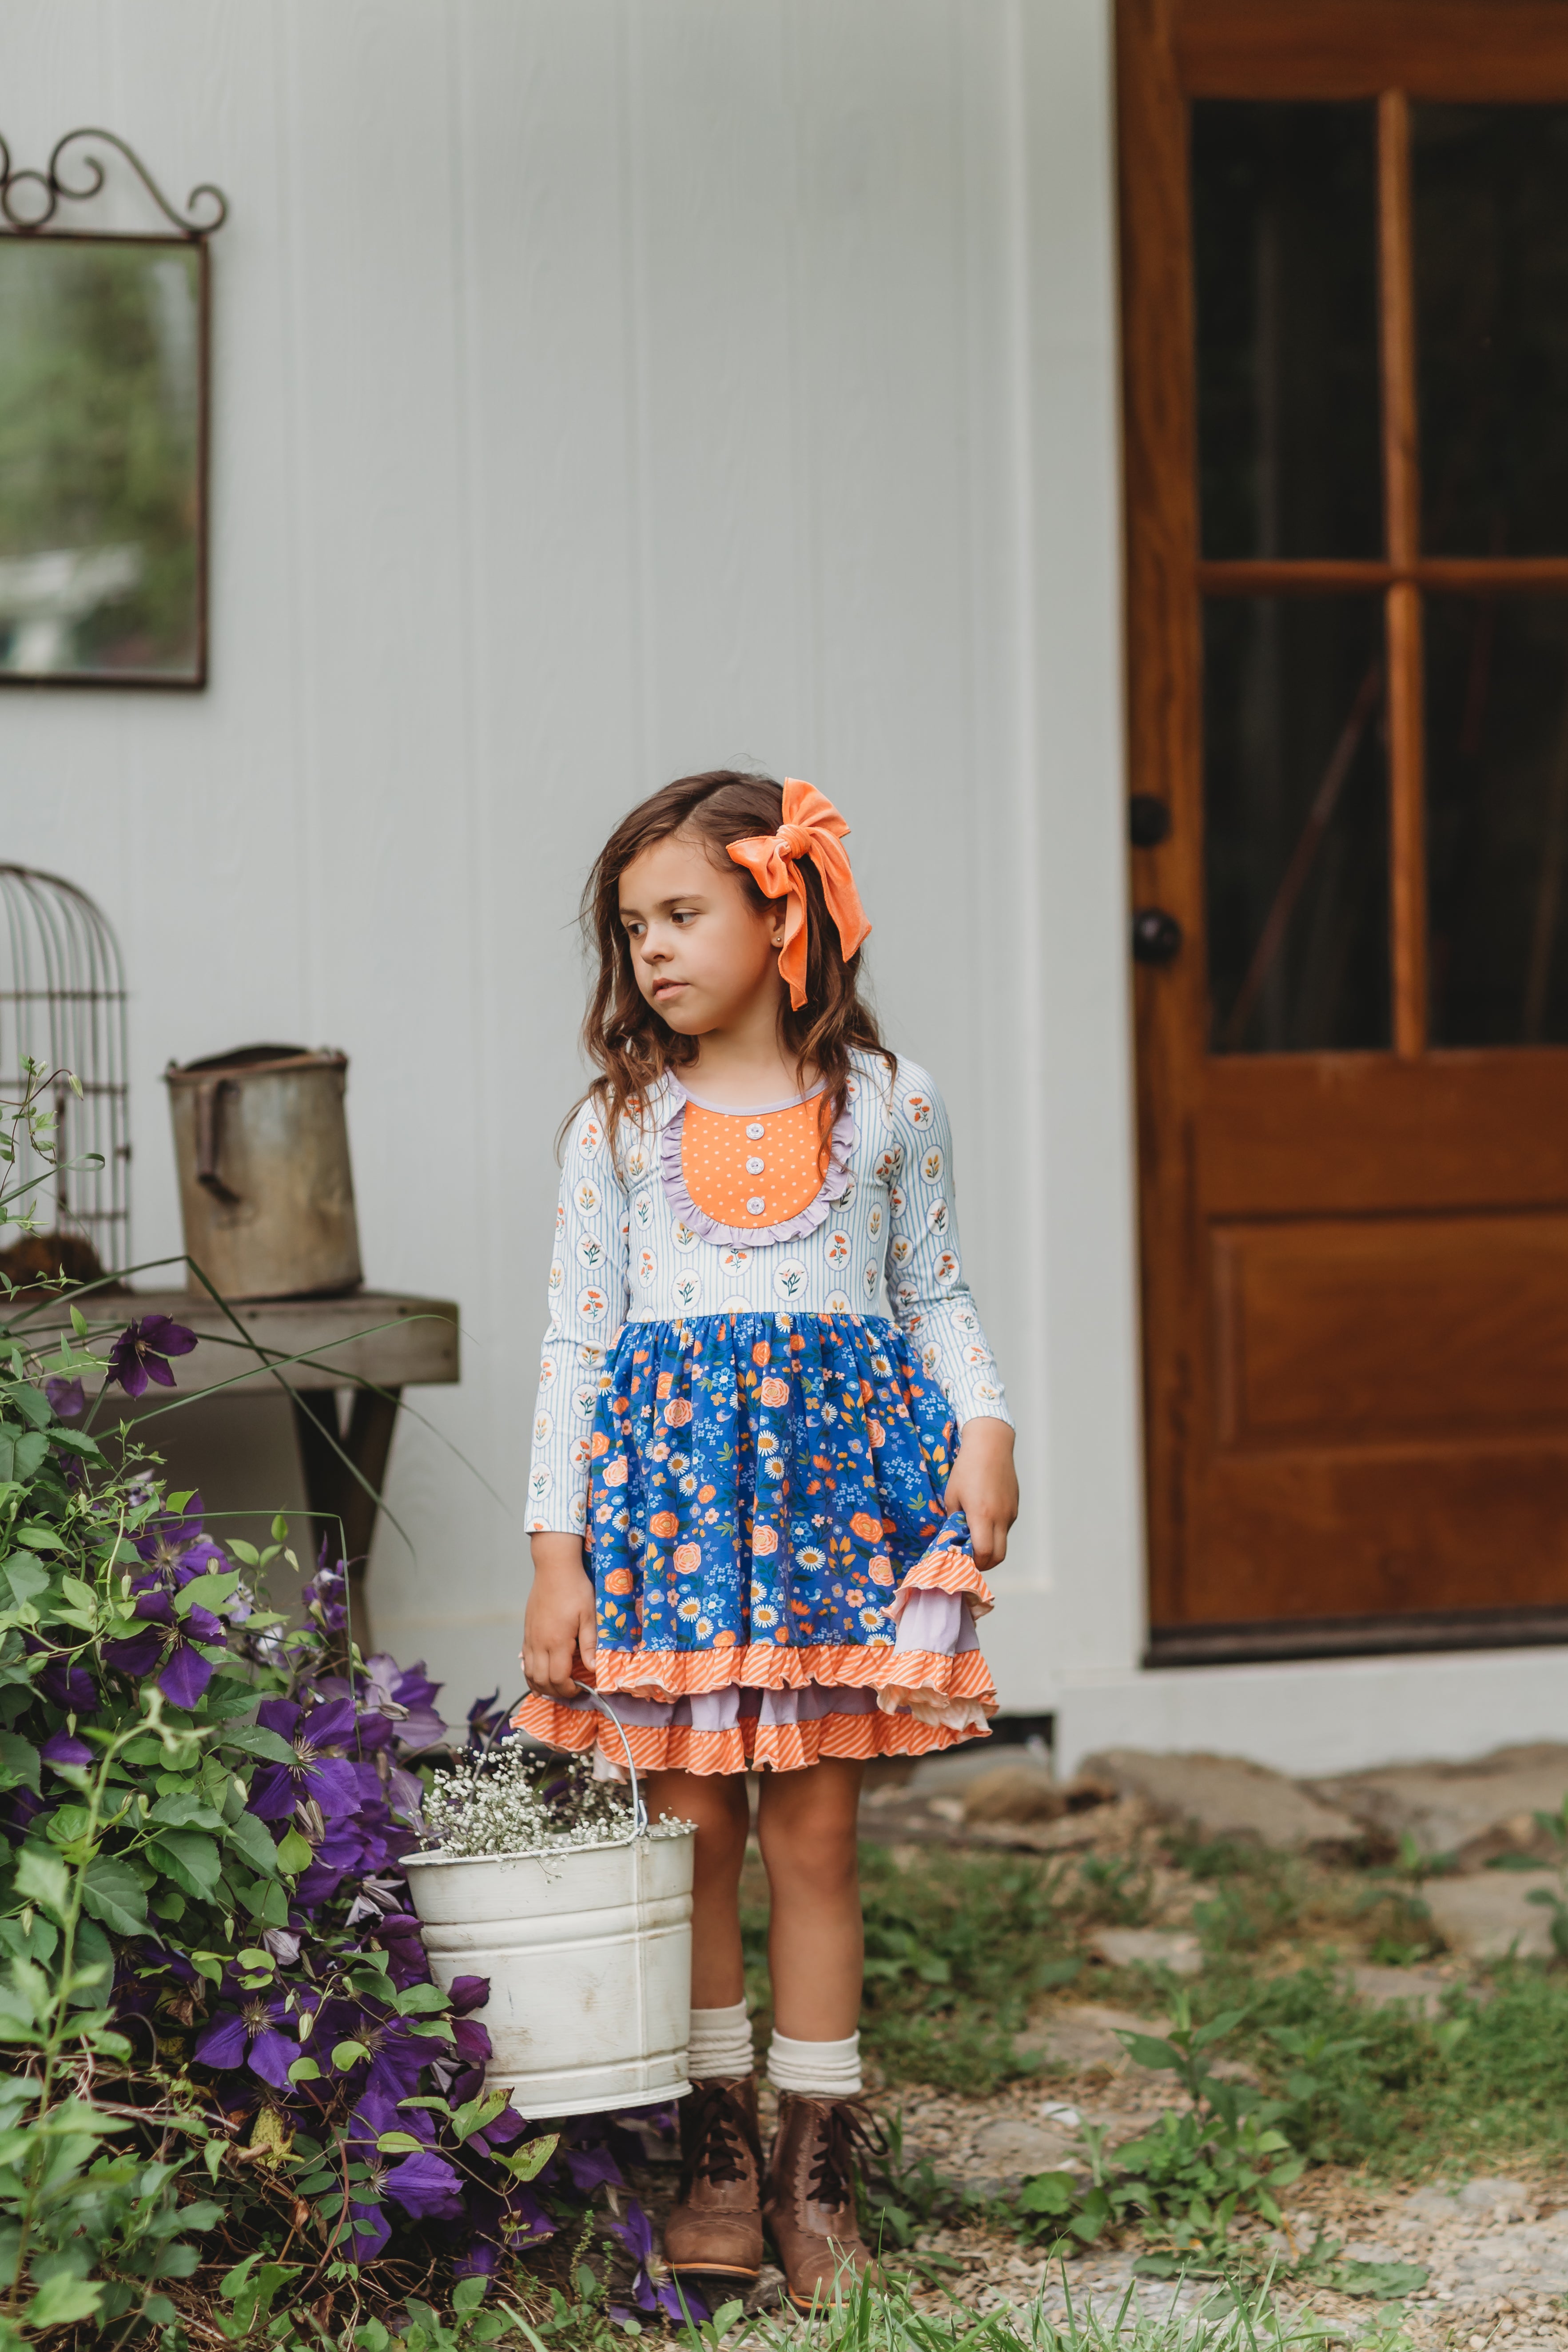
603 389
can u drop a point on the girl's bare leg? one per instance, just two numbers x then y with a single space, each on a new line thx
716 1801
817 1946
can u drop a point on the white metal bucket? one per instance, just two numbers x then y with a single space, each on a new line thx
588 1953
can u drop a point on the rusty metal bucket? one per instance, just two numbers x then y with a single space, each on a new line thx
266 1193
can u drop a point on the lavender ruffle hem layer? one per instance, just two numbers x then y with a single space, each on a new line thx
936 1622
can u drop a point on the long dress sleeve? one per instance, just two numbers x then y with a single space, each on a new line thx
588 1301
931 1302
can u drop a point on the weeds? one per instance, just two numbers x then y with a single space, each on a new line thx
1116 1888
862 2318
1396 2092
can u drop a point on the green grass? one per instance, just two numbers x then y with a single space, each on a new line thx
1404 2095
962 1947
862 2318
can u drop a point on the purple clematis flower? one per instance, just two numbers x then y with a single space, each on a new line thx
250 2036
332 1781
142 1351
407 1696
68 1398
426 2187
397 2056
185 1673
481 2261
371 2229
470 2041
403 1950
485 1719
178 1548
70 1688
500 2131
591 2166
326 1594
636 2235
63 1749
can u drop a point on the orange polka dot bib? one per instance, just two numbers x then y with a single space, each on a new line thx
749 1178
754 1168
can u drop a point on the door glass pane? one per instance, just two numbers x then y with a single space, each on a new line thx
1496 819
1491 195
1284 230
1295 823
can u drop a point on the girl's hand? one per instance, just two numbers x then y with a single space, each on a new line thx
560 1623
985 1487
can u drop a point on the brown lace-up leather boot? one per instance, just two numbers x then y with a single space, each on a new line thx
810 2202
715 2223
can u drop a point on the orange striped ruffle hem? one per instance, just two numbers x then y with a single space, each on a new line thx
691 1673
945 1571
746 1747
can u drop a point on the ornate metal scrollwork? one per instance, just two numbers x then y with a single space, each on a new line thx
56 189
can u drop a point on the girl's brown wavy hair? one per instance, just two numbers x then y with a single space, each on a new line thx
630 1044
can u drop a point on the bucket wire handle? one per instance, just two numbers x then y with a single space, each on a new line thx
639 1810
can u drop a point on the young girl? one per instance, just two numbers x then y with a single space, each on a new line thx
761 1498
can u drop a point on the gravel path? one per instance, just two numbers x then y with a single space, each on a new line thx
1496 2249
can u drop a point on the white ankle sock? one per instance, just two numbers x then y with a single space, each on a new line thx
720 2043
819 2069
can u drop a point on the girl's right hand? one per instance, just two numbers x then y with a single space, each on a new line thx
559 1627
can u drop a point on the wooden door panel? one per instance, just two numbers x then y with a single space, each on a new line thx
1355 1332
1281 1135
1314 1533
1355 48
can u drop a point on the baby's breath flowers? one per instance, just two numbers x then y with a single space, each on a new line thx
521 1799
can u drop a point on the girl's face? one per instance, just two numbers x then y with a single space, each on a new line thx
704 954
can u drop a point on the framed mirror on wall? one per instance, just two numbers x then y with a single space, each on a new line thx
104 407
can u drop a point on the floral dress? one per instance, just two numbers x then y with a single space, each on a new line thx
761 1351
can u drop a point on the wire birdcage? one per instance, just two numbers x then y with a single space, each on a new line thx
62 1005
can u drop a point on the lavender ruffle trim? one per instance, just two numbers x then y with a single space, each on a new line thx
672 1177
936 1622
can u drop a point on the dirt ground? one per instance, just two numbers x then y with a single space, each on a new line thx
1497 2252
1495 2247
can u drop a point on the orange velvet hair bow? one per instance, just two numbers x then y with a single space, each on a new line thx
812 828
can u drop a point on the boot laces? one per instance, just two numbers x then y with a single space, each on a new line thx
717 2136
844 2127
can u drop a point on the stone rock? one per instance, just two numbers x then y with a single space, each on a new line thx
1486 1916
1432 2204
949 1775
1472 1811
1489 2195
1075 1832
1023 1791
1083 2037
767 2294
1226 1797
1151 1948
1421 1989
1009 2149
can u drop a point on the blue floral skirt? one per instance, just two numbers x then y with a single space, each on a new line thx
776 1573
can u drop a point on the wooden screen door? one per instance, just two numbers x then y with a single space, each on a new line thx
1345 301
